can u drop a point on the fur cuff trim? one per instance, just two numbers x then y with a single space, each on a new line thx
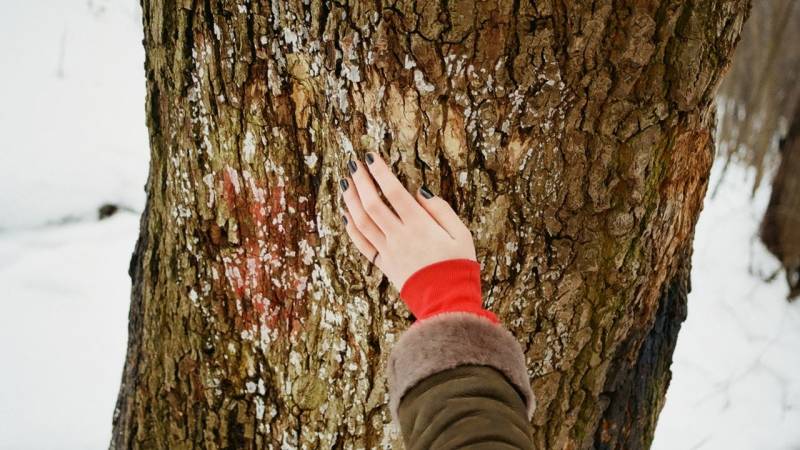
451 339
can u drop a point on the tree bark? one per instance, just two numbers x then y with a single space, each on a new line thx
574 138
780 228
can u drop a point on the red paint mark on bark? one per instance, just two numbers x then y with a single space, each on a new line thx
265 272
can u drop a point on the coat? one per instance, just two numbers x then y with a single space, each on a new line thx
458 380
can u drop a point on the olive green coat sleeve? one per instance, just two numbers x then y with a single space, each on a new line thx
457 380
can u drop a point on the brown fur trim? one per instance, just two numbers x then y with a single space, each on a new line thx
451 339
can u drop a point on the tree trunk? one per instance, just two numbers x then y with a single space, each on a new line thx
574 138
780 228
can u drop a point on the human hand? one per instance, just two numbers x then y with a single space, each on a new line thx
424 229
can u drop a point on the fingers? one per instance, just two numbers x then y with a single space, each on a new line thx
370 200
359 240
443 213
358 218
394 191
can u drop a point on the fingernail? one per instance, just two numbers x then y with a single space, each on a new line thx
343 184
344 218
370 158
352 165
425 192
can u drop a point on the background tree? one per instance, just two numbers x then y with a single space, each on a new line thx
575 138
760 92
759 99
780 228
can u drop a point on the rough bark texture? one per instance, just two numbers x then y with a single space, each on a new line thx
575 139
780 229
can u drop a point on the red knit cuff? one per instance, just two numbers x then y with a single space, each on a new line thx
445 286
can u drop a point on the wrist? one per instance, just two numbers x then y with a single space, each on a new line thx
445 286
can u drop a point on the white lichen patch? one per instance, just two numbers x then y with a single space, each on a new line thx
344 142
278 171
525 159
252 273
321 281
357 310
232 273
233 176
249 146
311 160
290 37
208 180
462 178
331 320
335 88
352 72
260 409
422 86
306 251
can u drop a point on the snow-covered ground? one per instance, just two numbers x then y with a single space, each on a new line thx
64 294
72 124
736 368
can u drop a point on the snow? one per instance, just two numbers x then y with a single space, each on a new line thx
63 332
75 141
74 138
736 369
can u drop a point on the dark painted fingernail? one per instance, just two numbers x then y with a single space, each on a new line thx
343 184
344 218
425 192
352 165
370 158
